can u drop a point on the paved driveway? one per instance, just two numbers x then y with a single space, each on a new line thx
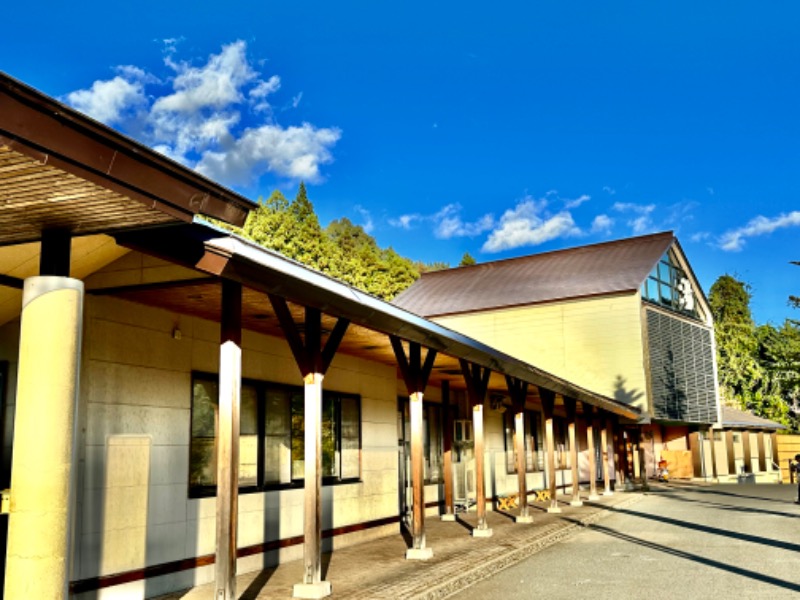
681 541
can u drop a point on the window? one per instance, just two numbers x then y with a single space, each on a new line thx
432 441
534 442
271 443
668 286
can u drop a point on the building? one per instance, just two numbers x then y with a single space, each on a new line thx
179 403
626 319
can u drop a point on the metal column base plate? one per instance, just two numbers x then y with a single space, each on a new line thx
312 590
419 553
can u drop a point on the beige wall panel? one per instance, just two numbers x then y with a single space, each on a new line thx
595 343
114 383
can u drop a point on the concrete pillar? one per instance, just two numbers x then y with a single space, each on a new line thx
42 486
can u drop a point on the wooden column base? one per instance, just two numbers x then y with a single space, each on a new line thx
524 519
312 590
419 553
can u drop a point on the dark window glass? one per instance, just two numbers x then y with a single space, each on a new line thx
272 430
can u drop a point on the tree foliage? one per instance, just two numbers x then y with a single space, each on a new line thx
467 260
342 249
758 367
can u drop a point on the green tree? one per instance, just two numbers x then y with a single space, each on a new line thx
467 260
742 379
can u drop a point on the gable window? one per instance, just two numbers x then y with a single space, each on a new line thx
271 442
534 442
670 287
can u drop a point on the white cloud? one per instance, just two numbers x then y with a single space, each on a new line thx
609 190
295 152
733 241
215 85
640 222
405 221
700 236
296 100
527 224
449 223
602 224
106 101
570 204
369 224
215 118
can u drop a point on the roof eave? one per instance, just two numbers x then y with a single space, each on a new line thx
50 132
267 271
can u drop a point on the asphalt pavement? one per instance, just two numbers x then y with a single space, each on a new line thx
679 541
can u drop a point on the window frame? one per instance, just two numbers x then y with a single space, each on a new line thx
667 275
262 387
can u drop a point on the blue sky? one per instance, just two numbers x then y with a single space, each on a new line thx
444 127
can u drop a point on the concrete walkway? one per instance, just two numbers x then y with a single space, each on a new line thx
681 541
378 569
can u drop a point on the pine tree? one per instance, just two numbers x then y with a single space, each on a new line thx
467 260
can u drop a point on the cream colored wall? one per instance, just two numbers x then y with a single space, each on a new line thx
595 343
134 510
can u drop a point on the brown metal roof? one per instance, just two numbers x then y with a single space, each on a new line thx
608 268
61 169
737 419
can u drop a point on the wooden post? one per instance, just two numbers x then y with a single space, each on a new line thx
417 471
519 390
477 380
731 452
714 476
748 460
570 406
230 383
548 405
415 373
313 359
773 438
606 435
621 458
590 443
449 502
762 457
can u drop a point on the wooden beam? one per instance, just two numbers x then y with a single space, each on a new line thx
592 447
290 332
606 436
476 378
748 460
449 502
230 377
548 405
333 342
713 445
731 452
415 373
570 405
54 258
519 391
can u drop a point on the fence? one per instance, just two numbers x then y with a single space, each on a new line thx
788 447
